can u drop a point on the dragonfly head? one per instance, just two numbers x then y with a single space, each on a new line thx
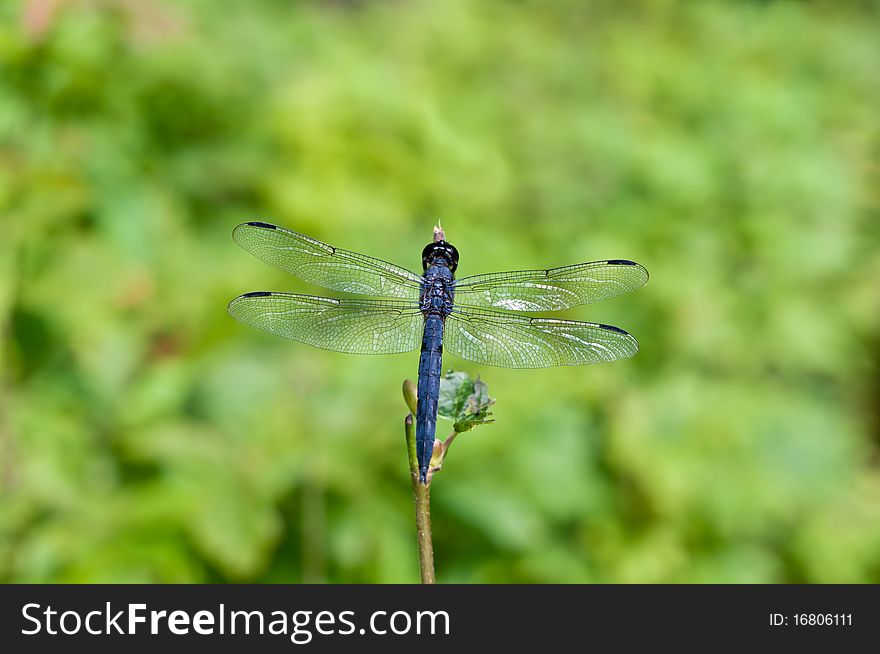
441 250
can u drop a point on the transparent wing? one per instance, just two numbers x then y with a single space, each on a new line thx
513 341
353 326
324 265
553 289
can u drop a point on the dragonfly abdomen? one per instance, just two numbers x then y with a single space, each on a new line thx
430 368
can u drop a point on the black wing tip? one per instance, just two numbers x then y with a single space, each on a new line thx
261 224
236 233
618 330
233 304
627 262
612 328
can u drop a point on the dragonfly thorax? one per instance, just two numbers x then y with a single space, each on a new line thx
437 293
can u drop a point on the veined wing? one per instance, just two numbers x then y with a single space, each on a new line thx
324 265
515 341
353 326
553 289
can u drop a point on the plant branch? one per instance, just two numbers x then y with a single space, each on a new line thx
422 501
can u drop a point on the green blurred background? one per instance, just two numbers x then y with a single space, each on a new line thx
733 148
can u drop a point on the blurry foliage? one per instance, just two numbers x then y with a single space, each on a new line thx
731 147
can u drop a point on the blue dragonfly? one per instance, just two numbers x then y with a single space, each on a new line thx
434 310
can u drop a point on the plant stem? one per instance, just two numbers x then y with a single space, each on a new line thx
422 501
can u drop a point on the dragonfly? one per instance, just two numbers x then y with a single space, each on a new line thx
481 318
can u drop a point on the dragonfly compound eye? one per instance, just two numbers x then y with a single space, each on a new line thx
440 250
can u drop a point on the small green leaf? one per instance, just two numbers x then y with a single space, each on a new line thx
409 394
437 454
455 388
464 400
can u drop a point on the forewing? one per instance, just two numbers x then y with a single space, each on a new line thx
353 326
324 265
553 289
514 341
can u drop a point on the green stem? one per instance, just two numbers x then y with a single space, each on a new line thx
422 501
